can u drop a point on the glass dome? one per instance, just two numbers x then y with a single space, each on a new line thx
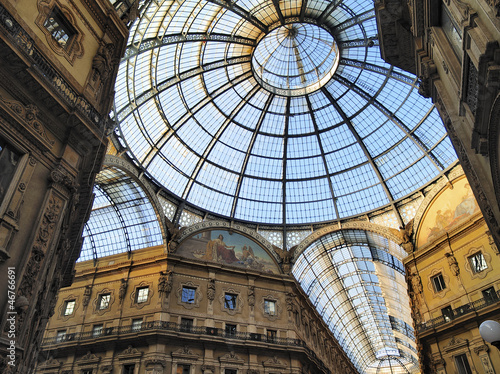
274 112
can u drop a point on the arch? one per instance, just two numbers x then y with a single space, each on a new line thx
124 215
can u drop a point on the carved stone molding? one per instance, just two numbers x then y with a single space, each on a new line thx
278 309
61 309
50 364
231 358
155 362
165 283
487 257
134 303
274 362
456 343
28 116
185 353
481 349
74 48
89 359
239 301
430 286
130 353
97 300
198 296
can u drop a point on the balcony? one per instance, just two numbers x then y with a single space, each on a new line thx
462 310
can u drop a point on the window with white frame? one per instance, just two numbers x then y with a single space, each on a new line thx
69 307
141 295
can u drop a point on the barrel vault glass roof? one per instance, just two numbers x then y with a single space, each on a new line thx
201 108
356 281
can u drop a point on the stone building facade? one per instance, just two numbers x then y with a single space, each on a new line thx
57 71
155 312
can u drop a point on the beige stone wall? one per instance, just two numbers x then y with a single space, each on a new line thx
293 340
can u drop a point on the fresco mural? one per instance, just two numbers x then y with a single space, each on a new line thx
229 249
450 208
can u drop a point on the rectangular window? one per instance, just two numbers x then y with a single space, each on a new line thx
61 336
462 364
270 307
59 27
186 324
271 335
230 330
142 295
477 263
438 282
452 31
69 307
230 301
104 300
188 294
136 324
87 371
8 163
97 331
447 313
230 371
183 369
489 295
128 369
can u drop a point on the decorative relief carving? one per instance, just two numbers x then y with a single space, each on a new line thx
274 362
103 65
165 283
28 115
61 177
123 289
88 358
185 353
232 358
86 295
211 289
251 295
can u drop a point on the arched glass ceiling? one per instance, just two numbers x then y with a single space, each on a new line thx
356 281
193 115
122 218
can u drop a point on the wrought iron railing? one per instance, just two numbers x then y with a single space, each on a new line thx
172 327
459 312
157 326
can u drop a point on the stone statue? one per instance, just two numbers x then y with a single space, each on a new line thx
123 289
165 282
452 261
211 289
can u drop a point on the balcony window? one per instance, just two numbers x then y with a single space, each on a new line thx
142 295
230 330
69 307
61 336
136 324
477 262
489 295
438 283
186 324
97 331
271 335
447 313
452 31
